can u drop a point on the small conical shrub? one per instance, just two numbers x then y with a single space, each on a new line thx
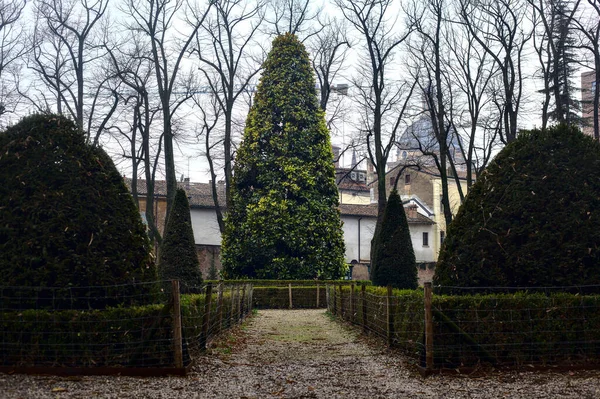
532 218
178 259
67 219
394 257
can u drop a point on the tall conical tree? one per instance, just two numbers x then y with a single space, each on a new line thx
178 258
284 220
394 258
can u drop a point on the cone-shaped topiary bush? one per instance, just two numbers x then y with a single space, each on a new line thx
284 222
66 216
394 258
178 259
532 219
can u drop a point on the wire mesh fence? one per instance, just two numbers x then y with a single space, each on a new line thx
559 325
133 325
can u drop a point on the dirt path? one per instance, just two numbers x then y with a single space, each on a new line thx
303 354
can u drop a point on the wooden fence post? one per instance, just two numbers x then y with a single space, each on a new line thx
341 302
238 304
233 303
318 296
428 327
334 300
220 307
177 334
390 318
206 317
290 294
352 303
243 307
363 297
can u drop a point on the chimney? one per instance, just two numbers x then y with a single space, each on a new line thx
336 155
411 211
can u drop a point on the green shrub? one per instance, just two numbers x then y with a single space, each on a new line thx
394 262
532 218
178 258
279 298
66 216
284 221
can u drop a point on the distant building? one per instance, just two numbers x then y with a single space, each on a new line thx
358 227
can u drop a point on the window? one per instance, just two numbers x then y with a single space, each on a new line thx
361 177
404 154
407 179
392 181
442 237
425 239
353 175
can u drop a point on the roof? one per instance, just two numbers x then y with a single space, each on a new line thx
344 180
371 211
200 196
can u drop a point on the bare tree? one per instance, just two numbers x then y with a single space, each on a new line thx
225 48
382 101
66 49
503 23
433 76
292 16
12 49
471 69
328 49
131 64
156 20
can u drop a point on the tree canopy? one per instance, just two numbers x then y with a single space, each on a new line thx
532 218
178 258
66 216
394 257
284 221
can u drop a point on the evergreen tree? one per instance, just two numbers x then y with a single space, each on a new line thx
531 220
394 258
67 218
178 259
563 66
284 220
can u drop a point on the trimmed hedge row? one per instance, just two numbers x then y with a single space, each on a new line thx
279 298
139 336
281 283
499 329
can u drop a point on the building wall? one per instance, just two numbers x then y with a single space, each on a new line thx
160 211
351 227
355 198
205 226
429 189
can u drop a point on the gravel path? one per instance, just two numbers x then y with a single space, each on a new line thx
303 354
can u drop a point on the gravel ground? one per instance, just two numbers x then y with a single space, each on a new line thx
303 354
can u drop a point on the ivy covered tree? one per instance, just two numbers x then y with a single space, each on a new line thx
284 221
66 217
394 257
532 218
178 259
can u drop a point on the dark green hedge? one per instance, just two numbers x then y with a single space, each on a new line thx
279 298
279 283
67 218
139 336
499 329
531 219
